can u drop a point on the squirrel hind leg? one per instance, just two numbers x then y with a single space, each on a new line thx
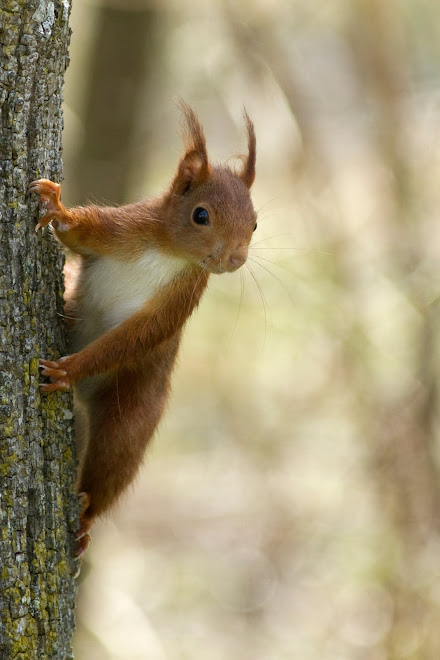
123 417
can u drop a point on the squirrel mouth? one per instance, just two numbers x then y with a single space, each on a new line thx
219 266
211 266
218 269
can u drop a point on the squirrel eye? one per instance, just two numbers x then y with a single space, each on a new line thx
256 225
200 216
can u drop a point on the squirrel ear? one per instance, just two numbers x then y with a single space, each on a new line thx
247 173
194 167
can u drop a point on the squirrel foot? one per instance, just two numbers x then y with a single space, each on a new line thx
58 376
83 537
49 193
82 543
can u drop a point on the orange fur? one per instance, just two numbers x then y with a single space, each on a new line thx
126 331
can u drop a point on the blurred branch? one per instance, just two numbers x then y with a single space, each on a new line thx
124 59
261 48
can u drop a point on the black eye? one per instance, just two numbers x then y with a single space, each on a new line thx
256 225
200 216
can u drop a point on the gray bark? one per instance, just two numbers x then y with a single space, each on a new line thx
38 506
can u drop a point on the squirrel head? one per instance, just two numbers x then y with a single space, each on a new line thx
208 209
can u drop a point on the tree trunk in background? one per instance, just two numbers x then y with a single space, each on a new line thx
123 58
38 507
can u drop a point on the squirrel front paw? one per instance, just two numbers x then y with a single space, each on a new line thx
49 193
57 373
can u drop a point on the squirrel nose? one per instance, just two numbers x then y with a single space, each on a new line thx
236 260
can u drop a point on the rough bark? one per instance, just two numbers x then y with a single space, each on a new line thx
38 507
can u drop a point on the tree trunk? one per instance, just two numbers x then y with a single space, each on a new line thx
38 506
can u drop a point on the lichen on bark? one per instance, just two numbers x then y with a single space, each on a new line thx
38 507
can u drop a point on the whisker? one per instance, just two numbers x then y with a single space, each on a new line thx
71 318
266 238
278 279
277 248
263 300
298 249
274 263
117 394
269 201
201 274
240 302
270 261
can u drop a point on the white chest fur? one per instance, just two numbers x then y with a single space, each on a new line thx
118 289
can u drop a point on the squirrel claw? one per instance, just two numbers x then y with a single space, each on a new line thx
82 544
83 536
45 187
60 386
85 500
51 369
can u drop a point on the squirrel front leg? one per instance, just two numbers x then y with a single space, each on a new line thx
121 346
80 228
119 232
83 229
73 227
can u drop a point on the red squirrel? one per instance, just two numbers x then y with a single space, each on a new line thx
143 268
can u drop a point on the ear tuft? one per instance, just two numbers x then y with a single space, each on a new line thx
192 131
247 173
194 167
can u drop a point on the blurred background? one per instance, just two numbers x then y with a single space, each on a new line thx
289 504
